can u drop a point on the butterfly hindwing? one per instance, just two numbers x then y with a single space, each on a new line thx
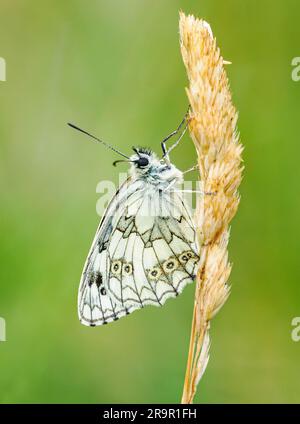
157 257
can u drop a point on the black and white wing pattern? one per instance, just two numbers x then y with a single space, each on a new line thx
95 306
144 252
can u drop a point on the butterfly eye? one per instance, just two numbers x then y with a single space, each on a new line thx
142 162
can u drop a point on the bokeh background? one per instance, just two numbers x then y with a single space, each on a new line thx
115 68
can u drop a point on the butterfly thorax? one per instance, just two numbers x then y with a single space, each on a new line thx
148 167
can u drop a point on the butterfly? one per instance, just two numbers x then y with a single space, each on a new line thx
145 249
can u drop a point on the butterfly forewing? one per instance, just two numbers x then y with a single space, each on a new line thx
95 307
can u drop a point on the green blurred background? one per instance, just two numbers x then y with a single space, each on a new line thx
115 68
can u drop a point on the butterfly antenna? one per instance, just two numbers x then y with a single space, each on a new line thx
98 140
121 161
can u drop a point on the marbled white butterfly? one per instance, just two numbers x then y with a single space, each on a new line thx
145 250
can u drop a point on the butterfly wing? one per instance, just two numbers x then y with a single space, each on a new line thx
95 306
143 253
152 250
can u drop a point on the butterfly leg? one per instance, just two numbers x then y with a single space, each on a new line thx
193 168
206 193
170 185
163 143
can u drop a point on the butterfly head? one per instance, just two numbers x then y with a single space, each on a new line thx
146 164
143 159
